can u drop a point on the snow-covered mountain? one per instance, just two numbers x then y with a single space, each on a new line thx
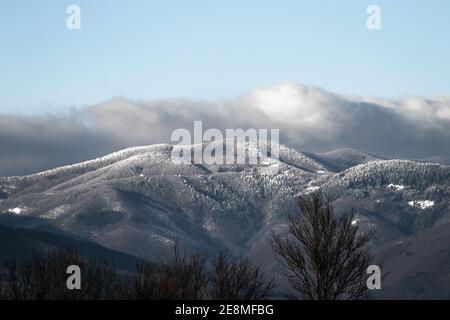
140 202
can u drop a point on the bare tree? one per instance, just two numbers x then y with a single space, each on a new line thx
43 277
324 256
238 280
182 278
186 277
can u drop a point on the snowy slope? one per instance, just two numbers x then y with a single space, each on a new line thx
139 196
342 159
139 202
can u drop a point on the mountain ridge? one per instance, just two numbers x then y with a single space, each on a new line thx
139 202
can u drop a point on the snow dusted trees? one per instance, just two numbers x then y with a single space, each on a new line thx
324 256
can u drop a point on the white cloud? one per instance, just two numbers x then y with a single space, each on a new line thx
308 118
309 109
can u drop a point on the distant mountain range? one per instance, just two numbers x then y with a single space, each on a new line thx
137 201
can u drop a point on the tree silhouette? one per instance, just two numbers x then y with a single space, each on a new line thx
186 277
43 277
183 278
238 280
191 278
324 256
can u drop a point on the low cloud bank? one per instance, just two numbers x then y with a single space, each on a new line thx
308 118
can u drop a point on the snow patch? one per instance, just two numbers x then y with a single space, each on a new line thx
17 210
396 187
355 222
312 189
210 226
422 204
56 212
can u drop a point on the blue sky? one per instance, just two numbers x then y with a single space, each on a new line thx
216 49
